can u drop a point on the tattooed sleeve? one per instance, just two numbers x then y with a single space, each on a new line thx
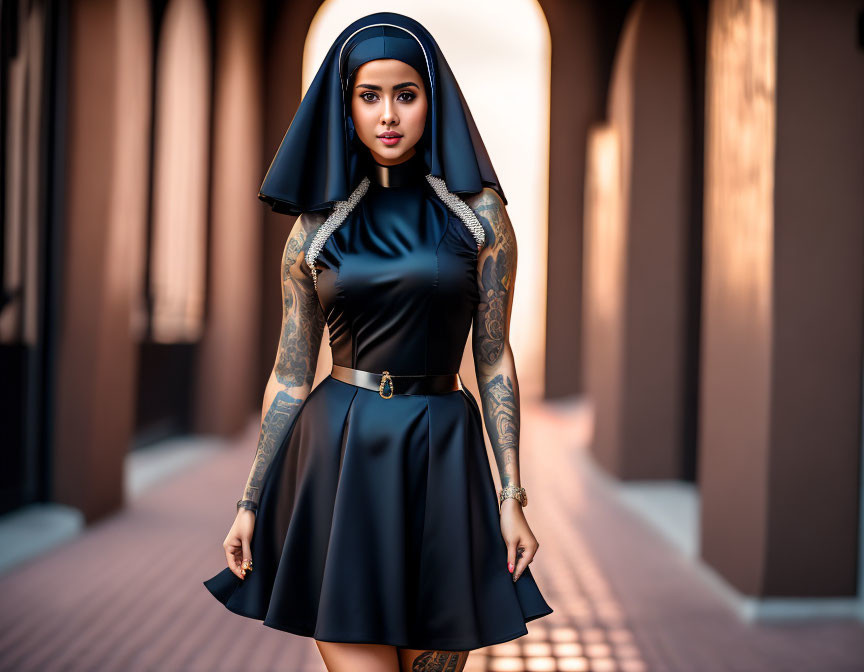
297 352
493 359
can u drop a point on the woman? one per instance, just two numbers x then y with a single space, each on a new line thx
376 527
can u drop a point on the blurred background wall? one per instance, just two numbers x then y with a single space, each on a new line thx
685 181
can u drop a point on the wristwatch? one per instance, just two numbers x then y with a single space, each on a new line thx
515 492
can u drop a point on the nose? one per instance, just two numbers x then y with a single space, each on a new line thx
388 114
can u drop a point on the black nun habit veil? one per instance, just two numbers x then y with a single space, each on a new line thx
320 162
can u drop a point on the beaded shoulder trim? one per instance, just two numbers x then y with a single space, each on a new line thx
341 210
459 207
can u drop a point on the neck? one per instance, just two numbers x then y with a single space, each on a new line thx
401 174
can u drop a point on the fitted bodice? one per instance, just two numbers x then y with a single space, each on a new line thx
397 280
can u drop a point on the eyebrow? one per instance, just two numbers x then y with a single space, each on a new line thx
375 87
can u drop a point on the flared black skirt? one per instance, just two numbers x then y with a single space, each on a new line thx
378 523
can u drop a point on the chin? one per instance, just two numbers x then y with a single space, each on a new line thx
396 154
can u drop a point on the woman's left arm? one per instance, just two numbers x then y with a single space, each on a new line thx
496 370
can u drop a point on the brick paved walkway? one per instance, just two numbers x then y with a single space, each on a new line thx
127 595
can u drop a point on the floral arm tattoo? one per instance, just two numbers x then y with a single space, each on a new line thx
296 355
493 359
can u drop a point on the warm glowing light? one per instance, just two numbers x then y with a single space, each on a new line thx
476 662
563 635
540 665
598 650
505 649
568 649
594 635
132 162
537 630
180 184
739 155
537 649
604 227
506 665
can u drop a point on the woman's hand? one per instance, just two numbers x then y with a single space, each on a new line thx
517 535
237 544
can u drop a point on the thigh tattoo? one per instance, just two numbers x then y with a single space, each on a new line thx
438 661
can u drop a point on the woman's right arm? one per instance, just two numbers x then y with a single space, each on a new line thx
290 380
297 355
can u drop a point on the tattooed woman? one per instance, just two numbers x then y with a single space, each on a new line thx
370 520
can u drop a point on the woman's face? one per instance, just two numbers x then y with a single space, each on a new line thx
388 98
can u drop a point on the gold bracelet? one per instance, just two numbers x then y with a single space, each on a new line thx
515 492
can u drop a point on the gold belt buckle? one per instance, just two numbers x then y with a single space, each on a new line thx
385 377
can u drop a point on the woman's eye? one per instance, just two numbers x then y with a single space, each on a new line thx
405 96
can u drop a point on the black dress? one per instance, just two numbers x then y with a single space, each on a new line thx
378 520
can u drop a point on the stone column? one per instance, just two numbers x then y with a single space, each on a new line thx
108 128
227 386
639 321
782 322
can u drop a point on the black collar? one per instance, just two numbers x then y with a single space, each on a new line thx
402 174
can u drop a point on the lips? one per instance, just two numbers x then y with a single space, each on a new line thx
390 138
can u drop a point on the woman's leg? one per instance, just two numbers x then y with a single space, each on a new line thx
425 660
345 657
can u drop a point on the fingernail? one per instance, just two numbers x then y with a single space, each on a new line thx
510 567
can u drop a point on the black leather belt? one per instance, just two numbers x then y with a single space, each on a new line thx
387 385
